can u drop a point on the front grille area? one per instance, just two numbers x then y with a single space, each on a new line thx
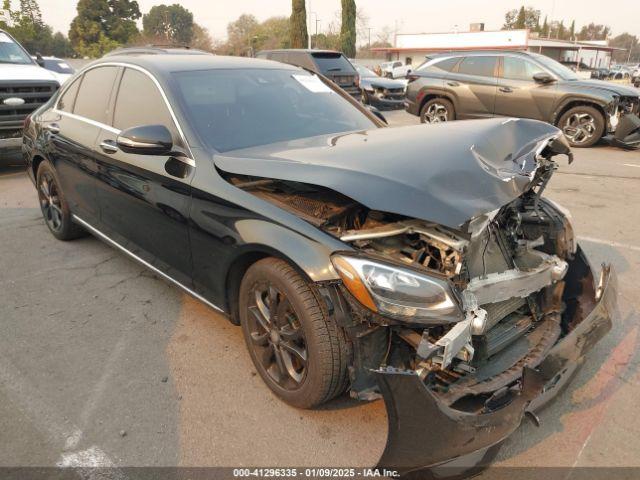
34 94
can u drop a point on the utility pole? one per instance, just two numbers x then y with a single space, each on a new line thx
369 28
308 9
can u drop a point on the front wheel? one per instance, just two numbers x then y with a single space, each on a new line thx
437 110
583 126
296 347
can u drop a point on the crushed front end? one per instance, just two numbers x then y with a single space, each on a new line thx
461 328
462 332
624 121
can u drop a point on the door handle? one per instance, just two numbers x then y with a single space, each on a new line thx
453 84
53 128
505 90
109 146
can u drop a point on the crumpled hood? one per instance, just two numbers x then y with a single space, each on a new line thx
381 82
612 88
446 173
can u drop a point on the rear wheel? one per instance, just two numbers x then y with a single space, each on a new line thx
437 110
583 126
53 205
298 350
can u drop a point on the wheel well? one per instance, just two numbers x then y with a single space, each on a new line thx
35 164
234 276
236 273
432 96
580 103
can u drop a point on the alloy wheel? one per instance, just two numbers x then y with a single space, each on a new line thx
436 113
580 128
50 202
276 337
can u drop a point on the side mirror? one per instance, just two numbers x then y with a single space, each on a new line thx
543 77
39 59
377 113
146 140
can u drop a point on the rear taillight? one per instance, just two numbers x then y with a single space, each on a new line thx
26 122
412 76
357 80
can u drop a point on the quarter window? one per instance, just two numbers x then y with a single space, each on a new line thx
140 103
445 65
478 66
519 69
68 98
95 92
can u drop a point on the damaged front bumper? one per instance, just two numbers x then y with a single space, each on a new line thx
425 432
627 133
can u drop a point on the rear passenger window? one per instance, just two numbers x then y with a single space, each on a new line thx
479 66
93 97
140 103
68 98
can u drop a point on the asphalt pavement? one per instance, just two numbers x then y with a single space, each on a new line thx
103 363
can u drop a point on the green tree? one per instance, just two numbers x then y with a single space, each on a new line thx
630 43
61 46
521 19
544 31
348 28
240 35
102 25
572 30
298 25
201 39
173 23
594 31
524 17
273 33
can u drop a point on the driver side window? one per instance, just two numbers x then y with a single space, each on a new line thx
140 103
519 69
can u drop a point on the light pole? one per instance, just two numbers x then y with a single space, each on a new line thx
308 9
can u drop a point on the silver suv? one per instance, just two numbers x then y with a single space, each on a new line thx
485 84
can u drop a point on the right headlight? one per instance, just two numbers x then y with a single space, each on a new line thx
398 292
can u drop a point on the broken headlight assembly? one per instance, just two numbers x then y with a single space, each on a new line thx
397 292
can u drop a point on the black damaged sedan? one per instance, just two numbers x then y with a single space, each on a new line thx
418 264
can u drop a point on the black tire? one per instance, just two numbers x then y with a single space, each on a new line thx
583 126
302 316
54 206
365 98
443 107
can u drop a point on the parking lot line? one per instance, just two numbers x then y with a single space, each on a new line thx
610 243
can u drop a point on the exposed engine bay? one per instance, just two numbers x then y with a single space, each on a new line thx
505 269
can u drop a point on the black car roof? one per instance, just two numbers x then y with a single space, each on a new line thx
173 62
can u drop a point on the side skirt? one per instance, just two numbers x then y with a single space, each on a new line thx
115 244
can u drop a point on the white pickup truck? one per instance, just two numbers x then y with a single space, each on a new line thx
395 69
24 86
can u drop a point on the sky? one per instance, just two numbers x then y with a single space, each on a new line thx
408 16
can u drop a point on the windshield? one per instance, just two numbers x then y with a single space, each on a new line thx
365 72
331 62
555 67
58 66
233 109
11 52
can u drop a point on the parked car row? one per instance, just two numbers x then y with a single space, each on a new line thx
412 264
486 84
